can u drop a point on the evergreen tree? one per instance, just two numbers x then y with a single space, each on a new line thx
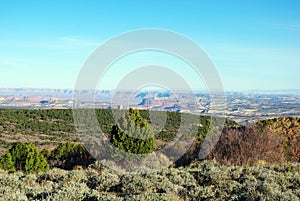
7 163
132 134
205 123
35 161
25 157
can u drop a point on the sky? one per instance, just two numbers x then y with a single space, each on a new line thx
253 44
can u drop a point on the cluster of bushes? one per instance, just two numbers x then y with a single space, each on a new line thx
274 141
60 121
24 157
47 121
26 121
27 158
271 141
247 146
69 155
288 130
199 181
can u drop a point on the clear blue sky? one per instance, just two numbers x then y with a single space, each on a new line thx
254 44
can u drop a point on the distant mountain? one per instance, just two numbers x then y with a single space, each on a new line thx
59 93
274 91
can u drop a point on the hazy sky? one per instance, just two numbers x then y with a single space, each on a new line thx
254 44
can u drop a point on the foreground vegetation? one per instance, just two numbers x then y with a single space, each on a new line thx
198 181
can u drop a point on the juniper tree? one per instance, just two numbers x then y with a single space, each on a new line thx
25 157
132 134
7 163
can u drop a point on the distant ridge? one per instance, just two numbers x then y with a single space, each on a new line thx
69 92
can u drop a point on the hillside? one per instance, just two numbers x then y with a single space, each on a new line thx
47 128
247 163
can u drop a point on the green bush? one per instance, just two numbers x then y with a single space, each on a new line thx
25 157
7 163
67 155
132 134
203 128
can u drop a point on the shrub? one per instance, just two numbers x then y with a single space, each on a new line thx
247 146
70 192
132 134
153 197
25 157
136 184
288 128
103 182
7 163
203 128
67 155
95 196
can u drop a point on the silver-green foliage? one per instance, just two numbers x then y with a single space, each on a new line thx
200 181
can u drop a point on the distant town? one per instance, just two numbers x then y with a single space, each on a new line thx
243 107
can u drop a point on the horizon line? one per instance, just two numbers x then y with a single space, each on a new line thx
157 90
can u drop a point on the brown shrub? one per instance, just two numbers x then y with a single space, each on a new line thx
289 130
247 146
